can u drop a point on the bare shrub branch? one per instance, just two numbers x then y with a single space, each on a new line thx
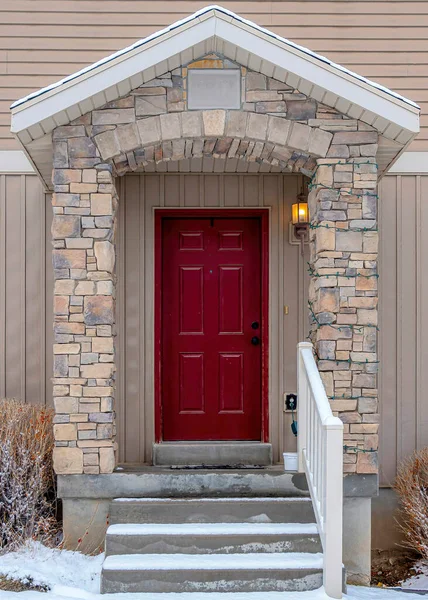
27 509
411 485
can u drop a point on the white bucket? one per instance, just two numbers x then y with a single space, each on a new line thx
290 461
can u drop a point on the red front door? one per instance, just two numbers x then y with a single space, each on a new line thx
211 329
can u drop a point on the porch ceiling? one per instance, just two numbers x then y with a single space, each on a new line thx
212 29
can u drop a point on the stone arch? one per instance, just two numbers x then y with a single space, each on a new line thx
242 134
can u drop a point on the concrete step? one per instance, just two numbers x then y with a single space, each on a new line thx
224 454
211 510
211 572
180 482
212 538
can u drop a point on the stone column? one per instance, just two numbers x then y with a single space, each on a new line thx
344 290
83 232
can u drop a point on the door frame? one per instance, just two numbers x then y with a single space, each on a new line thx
263 215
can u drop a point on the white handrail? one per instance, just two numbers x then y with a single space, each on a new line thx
320 454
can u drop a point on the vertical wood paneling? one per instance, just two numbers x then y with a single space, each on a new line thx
25 301
142 193
403 223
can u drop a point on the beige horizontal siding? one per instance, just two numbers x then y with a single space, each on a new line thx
25 290
44 40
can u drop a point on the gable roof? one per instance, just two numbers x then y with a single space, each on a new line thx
213 29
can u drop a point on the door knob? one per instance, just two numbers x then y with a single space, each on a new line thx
255 325
255 340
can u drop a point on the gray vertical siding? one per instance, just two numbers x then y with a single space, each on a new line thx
403 319
26 298
25 290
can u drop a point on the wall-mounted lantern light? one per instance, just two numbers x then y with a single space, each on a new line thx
300 216
300 220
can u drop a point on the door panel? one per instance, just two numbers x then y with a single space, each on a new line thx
211 296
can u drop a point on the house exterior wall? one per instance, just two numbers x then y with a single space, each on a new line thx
46 40
27 281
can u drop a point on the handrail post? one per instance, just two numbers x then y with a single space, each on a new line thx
302 405
334 508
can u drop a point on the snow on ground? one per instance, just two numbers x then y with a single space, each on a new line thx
74 576
419 581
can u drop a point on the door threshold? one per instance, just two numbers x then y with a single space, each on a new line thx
221 455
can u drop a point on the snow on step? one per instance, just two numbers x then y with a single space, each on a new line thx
217 500
208 562
204 529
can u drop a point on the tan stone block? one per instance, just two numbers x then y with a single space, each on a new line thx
364 283
214 122
102 344
328 300
115 116
66 348
61 305
191 124
65 226
98 310
371 442
97 371
325 238
68 461
84 288
107 460
61 390
107 144
262 96
257 81
236 123
64 287
278 130
170 126
128 137
150 105
83 188
355 138
89 175
69 259
149 130
66 405
101 204
299 137
94 443
97 391
78 243
91 459
324 175
257 126
367 317
105 255
79 418
319 142
367 462
370 241
65 432
363 302
105 288
349 241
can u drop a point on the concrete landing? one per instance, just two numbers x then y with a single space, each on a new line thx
229 454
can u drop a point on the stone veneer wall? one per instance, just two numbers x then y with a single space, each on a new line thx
276 125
